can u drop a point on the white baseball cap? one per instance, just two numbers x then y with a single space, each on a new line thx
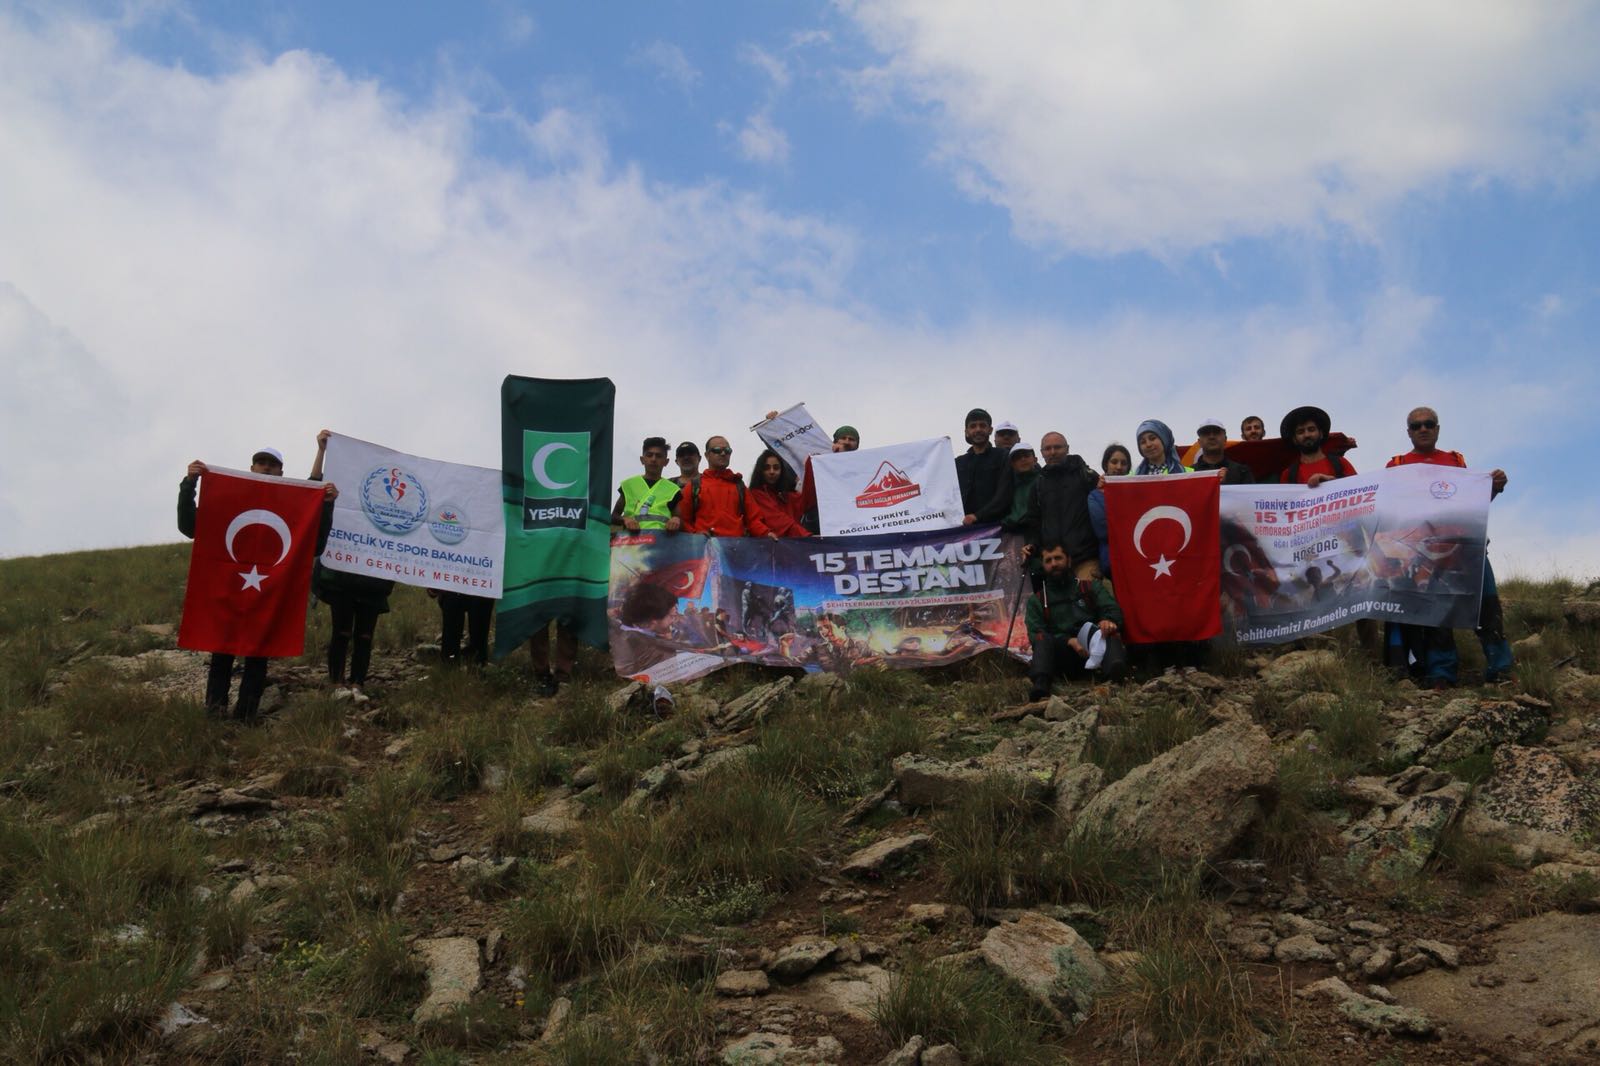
1006 427
1021 446
1209 423
277 456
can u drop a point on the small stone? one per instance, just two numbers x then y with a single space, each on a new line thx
1446 955
937 915
1379 965
876 859
942 1055
453 975
1370 930
1412 964
740 983
1381 994
555 1020
1382 1018
392 1051
214 982
1302 948
800 958
910 1054
176 1017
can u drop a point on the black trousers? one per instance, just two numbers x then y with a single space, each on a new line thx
473 613
1053 658
219 676
353 627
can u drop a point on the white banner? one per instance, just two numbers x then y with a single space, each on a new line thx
414 520
896 489
795 436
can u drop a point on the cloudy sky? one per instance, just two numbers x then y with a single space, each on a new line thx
233 223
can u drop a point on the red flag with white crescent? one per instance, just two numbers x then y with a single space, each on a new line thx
1166 555
255 539
685 580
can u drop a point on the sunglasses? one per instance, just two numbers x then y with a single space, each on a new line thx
1426 423
719 451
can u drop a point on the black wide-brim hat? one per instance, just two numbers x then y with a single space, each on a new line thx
1300 414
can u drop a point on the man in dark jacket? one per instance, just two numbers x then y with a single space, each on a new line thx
980 468
1073 626
1213 439
1058 507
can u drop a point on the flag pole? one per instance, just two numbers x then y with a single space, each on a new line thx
1022 579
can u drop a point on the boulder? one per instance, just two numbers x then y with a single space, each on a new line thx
1534 788
1489 725
885 856
1310 670
801 957
909 1054
738 983
655 783
1049 960
753 706
1427 725
925 782
1075 788
453 975
556 817
1394 845
1193 803
1581 612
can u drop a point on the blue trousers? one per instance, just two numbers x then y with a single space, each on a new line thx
1429 652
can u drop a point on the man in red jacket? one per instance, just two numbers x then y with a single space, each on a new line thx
1434 648
714 503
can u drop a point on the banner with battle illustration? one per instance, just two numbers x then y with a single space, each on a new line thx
1403 545
682 606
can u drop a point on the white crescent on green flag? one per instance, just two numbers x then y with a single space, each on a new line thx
414 520
899 488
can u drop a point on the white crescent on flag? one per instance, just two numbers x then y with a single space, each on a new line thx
259 518
1157 514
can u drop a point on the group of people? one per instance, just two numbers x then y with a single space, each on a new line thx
355 602
1048 494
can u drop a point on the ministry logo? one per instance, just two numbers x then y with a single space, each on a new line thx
555 480
394 500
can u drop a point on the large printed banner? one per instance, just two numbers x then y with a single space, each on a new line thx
414 520
683 605
894 489
1404 545
795 436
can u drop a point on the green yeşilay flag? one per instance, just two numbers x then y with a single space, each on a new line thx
555 445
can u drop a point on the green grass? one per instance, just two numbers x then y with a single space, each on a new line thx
990 1022
1140 736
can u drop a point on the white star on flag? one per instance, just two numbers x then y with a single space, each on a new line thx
1163 566
253 579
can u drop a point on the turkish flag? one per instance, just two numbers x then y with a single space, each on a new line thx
1166 555
686 580
255 538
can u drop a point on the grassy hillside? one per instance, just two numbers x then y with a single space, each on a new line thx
287 883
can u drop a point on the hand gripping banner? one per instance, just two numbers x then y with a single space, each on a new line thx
555 478
414 520
684 605
1404 545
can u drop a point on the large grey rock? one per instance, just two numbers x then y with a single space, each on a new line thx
1390 846
558 816
1193 803
1048 959
1303 948
753 706
883 857
925 782
1055 746
1368 1012
1534 788
453 975
801 957
1075 788
1489 725
1428 725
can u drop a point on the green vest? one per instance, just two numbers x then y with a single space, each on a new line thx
649 505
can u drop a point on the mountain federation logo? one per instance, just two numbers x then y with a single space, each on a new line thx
555 480
394 500
889 487
448 524
1442 490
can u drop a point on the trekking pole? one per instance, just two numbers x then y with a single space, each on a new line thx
1022 580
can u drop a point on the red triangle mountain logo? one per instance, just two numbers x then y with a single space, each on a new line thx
889 487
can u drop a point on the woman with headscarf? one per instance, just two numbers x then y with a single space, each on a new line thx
1154 441
1115 461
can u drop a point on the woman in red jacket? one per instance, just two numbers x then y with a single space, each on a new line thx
774 507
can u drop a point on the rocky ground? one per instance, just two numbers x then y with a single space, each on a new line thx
1290 859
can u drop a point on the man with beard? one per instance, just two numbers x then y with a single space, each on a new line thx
1305 429
980 468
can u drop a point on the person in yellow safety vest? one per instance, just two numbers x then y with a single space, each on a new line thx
648 501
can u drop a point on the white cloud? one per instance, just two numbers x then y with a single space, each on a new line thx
762 142
776 70
192 266
669 63
1167 126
